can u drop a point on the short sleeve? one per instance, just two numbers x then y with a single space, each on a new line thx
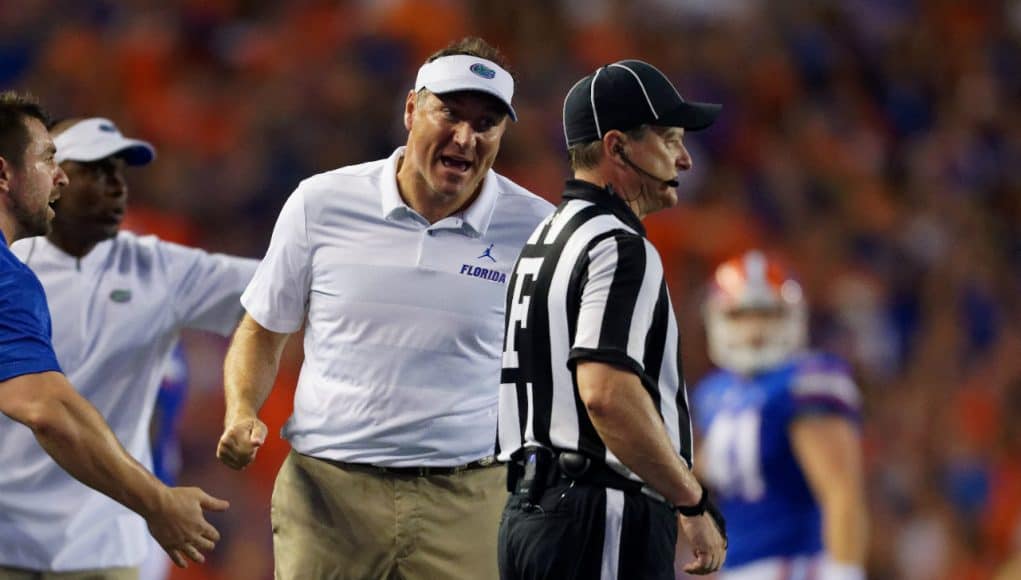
25 329
277 296
621 289
825 390
206 288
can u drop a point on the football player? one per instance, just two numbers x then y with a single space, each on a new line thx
781 447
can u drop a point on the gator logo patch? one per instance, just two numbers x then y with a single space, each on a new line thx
120 296
482 70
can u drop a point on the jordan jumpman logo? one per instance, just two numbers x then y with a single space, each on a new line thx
487 253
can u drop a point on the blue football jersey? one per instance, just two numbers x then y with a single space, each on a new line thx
747 457
166 446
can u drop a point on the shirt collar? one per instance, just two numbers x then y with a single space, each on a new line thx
43 250
606 198
475 218
393 205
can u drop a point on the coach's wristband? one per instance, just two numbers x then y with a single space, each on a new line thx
697 509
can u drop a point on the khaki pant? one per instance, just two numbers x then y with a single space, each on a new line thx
100 574
333 522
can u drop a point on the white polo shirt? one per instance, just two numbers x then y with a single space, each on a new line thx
116 316
404 320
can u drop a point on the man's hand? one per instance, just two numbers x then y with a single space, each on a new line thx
240 442
707 543
178 524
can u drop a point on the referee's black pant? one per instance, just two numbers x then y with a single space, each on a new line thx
587 532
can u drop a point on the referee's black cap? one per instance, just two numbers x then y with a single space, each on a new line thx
625 95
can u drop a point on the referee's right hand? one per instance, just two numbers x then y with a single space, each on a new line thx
240 442
706 541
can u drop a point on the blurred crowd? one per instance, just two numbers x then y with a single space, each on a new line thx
876 144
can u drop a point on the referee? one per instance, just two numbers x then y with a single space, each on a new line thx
593 416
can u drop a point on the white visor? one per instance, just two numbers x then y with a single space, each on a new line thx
462 72
96 138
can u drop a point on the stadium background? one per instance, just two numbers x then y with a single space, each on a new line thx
874 143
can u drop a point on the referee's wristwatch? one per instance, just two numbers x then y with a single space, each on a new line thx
697 509
705 506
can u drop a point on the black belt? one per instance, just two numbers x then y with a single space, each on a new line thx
550 468
424 471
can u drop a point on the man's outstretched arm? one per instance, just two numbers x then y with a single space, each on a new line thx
77 437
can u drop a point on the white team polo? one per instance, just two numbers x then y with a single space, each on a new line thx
116 316
404 320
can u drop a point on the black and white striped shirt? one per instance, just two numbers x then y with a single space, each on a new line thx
587 286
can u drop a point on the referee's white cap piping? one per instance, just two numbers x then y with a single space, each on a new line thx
592 102
462 72
641 85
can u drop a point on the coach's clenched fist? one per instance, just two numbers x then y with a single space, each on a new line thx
240 441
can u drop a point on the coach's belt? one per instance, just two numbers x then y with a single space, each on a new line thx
426 471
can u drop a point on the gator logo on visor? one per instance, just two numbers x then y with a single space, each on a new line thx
120 295
107 128
482 70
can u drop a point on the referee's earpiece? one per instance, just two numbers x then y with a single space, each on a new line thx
619 150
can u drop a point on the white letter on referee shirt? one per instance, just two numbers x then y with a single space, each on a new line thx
527 268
